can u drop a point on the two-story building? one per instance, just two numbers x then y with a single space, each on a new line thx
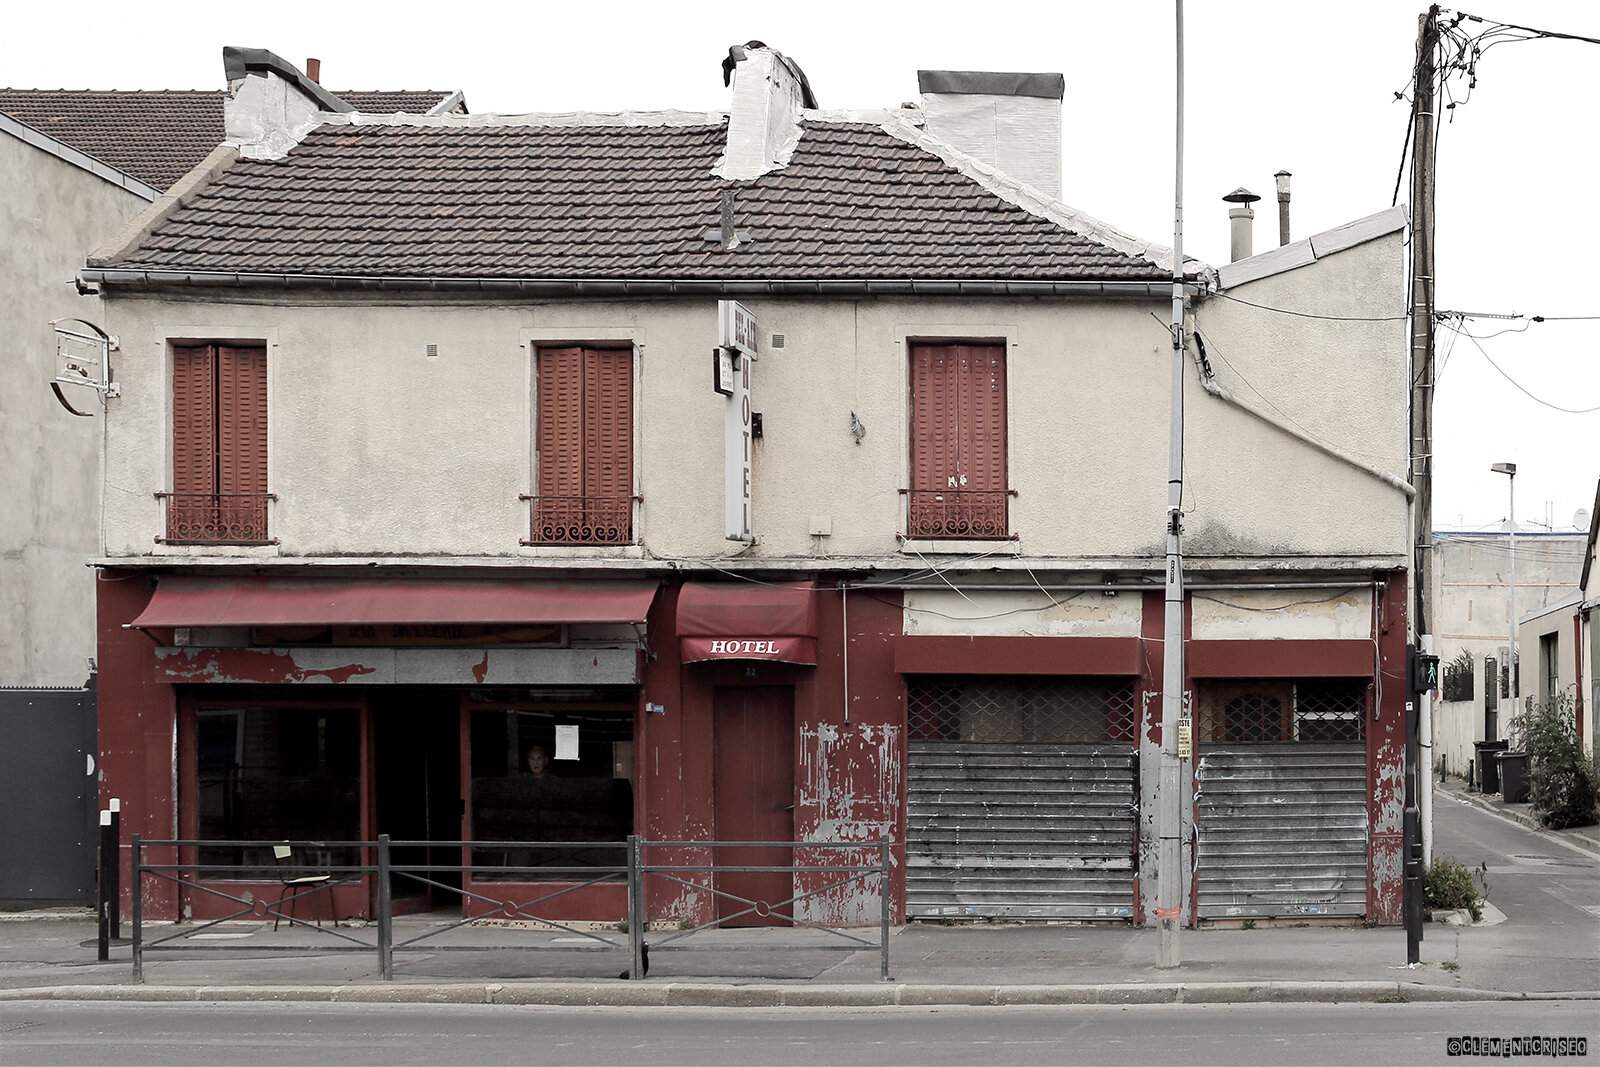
75 167
450 497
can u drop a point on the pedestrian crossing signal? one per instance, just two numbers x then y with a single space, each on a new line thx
1424 671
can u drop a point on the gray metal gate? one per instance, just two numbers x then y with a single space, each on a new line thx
1282 830
1021 831
1022 798
48 794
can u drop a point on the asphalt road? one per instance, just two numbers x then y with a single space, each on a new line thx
1540 883
180 1034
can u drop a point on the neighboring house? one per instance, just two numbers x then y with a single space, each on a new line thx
1472 574
432 450
1562 637
75 168
1589 634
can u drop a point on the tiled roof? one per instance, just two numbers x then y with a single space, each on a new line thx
612 201
156 137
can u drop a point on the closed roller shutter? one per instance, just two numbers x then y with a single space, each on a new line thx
1282 818
1021 798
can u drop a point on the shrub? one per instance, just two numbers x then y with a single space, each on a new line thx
1562 783
1447 885
1456 683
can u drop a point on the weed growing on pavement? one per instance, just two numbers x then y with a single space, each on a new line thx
1447 885
1452 966
1249 924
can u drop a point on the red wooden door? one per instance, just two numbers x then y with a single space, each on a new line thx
754 787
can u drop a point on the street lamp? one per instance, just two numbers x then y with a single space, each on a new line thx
1510 471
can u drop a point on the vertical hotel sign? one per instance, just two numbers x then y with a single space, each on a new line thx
736 351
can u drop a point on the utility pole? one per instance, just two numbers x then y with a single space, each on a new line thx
1169 806
1422 303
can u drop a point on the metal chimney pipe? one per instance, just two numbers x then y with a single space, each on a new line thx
1242 219
1282 178
314 70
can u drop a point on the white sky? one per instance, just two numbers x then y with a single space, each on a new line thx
1270 85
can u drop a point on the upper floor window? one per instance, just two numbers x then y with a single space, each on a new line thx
584 438
219 445
959 483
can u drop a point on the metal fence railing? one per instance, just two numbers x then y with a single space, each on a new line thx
681 864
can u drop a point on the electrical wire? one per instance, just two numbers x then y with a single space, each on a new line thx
1518 385
1310 315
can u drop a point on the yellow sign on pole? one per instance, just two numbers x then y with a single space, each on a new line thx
1185 737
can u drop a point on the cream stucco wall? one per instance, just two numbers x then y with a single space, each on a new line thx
1023 612
1295 614
51 215
1253 489
377 449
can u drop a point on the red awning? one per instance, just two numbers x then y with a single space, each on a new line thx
183 601
731 620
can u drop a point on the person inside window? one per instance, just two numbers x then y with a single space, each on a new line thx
537 762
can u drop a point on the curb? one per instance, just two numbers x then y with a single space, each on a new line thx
583 994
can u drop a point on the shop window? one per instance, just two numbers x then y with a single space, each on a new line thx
1276 710
584 438
558 777
958 442
1001 709
267 775
219 445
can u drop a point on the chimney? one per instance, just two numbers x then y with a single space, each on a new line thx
314 70
769 91
1242 218
1010 121
1282 178
270 104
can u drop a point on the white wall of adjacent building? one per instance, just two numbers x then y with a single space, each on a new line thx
52 213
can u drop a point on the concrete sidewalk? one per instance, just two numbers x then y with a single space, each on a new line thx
52 955
54 958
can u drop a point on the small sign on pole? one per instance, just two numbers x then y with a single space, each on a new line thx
736 327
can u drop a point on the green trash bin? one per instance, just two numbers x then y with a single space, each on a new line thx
1513 776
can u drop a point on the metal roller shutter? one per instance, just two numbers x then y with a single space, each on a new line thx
1283 831
1020 830
1281 821
1022 798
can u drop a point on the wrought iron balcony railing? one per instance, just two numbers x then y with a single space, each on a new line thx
581 520
217 518
957 513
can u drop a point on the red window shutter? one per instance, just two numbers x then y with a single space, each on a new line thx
559 435
194 419
983 418
934 429
241 420
608 424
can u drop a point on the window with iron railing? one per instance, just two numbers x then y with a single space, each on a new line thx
219 446
958 442
584 439
1278 710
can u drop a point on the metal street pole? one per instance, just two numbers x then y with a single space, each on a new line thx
1511 545
1169 809
1510 471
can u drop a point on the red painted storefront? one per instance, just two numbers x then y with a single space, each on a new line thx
716 742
